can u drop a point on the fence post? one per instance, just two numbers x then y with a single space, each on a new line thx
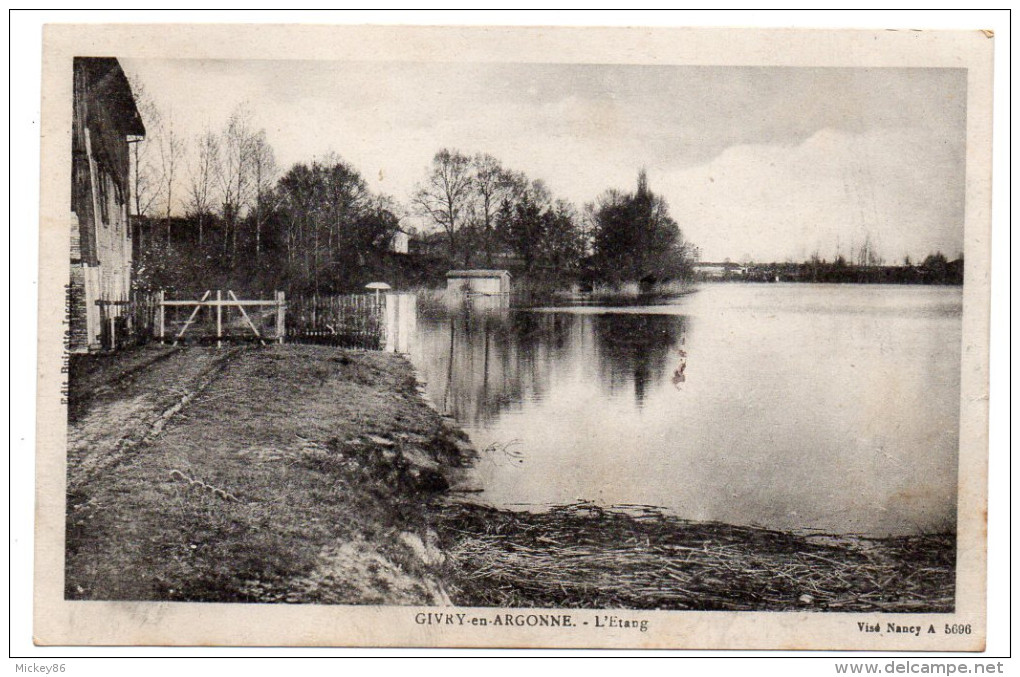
219 318
388 327
281 323
131 304
160 316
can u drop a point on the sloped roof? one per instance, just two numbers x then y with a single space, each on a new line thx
478 273
112 85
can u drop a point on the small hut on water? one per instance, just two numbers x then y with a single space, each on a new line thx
478 282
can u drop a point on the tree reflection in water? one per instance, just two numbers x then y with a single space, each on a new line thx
481 361
635 349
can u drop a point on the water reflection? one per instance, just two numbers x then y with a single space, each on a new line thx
491 359
830 407
633 350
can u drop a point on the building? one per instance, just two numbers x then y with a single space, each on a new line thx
480 282
399 243
718 271
104 121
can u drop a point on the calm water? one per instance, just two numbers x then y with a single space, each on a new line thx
823 407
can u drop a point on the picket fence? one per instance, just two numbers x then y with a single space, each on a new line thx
359 321
347 320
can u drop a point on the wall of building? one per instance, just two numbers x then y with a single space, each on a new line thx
400 242
477 285
401 322
100 238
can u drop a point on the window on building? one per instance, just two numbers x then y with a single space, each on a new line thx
104 197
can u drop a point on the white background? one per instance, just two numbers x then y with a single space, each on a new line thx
25 63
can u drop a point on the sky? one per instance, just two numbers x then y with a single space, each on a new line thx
756 163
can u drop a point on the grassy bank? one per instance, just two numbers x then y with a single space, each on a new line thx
293 473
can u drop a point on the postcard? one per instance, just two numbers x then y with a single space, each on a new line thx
513 337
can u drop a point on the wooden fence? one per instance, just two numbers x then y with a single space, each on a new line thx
362 321
220 316
348 320
127 322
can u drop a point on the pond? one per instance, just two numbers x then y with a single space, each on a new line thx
830 408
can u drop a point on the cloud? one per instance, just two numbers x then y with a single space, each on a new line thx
899 187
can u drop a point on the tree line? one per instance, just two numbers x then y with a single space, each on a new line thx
217 209
491 214
935 268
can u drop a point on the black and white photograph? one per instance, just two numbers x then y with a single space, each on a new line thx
516 348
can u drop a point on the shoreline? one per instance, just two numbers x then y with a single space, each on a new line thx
308 474
585 556
496 559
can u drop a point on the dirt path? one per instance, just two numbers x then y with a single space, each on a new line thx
118 405
286 473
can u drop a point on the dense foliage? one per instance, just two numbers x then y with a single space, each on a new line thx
635 238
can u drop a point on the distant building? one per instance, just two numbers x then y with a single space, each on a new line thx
718 271
104 119
487 282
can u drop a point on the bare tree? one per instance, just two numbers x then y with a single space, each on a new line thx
445 197
145 170
171 150
344 194
492 185
299 196
867 254
200 198
234 174
264 171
